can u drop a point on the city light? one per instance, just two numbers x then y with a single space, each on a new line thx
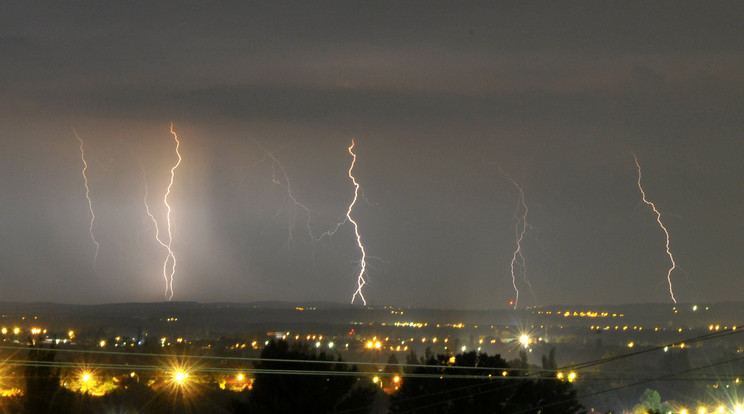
524 340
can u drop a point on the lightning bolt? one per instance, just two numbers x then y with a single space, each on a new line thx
288 186
157 231
363 262
168 276
87 194
520 228
658 220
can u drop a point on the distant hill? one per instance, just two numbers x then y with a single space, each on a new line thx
201 318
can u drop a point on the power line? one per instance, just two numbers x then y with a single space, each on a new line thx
658 378
574 367
583 365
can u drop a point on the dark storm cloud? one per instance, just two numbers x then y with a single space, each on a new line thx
434 93
275 43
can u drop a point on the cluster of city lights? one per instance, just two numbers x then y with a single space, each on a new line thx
581 314
566 376
736 409
17 331
411 324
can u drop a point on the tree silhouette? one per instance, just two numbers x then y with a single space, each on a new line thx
423 391
42 380
301 389
444 386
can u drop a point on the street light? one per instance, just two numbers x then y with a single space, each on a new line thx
524 340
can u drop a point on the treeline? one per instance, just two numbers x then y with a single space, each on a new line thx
297 378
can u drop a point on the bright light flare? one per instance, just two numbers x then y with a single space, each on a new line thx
182 383
86 379
180 377
87 195
524 340
666 233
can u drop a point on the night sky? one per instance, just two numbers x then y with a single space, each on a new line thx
436 95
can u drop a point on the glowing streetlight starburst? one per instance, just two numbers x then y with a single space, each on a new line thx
523 337
183 386
666 233
524 340
87 194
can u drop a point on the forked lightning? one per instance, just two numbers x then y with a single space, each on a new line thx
520 228
361 281
666 233
87 194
